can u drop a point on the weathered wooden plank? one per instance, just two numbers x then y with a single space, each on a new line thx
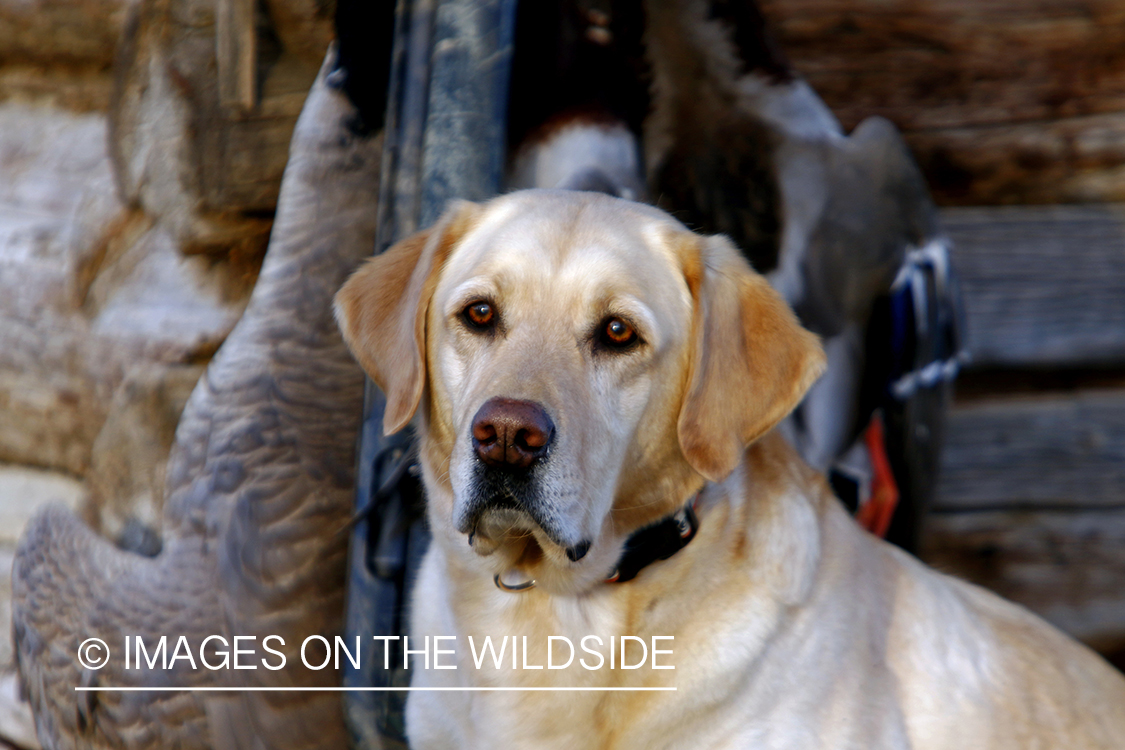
180 150
1042 451
1044 286
236 53
1068 567
241 159
998 99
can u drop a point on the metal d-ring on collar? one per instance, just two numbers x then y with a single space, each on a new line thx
525 586
658 541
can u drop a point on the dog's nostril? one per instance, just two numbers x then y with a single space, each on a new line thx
484 433
578 551
532 439
510 433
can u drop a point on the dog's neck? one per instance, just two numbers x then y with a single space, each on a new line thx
770 488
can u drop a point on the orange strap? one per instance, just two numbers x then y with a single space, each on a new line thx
875 515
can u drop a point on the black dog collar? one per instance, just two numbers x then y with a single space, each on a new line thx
659 541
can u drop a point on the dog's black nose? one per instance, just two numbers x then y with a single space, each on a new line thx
511 434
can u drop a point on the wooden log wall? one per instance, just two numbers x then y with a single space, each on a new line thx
1031 500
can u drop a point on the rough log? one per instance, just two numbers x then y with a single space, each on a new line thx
60 31
76 88
1044 286
1068 160
948 72
210 171
1056 451
88 290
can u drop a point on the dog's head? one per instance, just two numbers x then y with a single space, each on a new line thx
582 364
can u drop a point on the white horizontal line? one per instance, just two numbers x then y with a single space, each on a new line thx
362 689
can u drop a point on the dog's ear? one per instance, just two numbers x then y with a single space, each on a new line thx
381 311
750 361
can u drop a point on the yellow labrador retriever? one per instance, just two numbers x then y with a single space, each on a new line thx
586 371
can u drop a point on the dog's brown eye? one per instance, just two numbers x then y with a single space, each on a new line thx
480 315
618 334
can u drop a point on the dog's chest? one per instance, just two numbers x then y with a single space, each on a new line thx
728 693
529 651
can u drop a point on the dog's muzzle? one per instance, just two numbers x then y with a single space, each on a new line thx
511 440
